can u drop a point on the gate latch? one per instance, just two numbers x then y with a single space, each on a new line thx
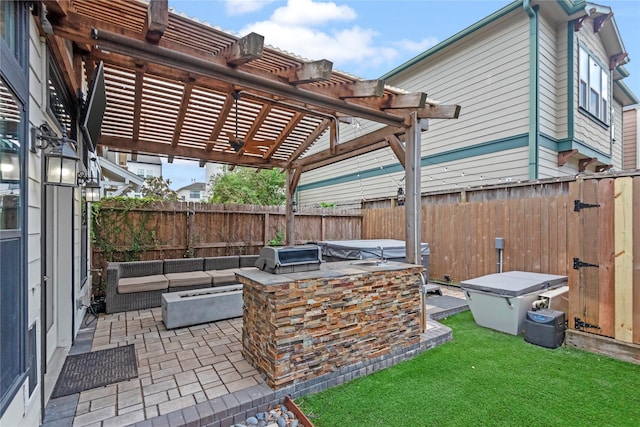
577 205
579 324
579 264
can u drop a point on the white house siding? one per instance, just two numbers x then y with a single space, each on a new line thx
562 80
494 168
587 129
548 161
149 169
488 75
617 146
549 79
631 137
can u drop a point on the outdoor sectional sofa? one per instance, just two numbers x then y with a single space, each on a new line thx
138 285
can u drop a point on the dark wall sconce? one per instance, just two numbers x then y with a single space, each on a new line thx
91 187
60 160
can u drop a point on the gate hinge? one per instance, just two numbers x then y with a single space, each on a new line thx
579 324
579 264
577 205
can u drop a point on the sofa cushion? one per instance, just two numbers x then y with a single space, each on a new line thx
183 265
221 262
223 277
143 283
248 260
140 268
190 278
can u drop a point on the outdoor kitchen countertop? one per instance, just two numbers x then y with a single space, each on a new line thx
327 270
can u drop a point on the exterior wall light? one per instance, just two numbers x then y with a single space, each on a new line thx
91 187
60 160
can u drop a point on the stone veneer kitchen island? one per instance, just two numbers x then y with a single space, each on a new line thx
299 326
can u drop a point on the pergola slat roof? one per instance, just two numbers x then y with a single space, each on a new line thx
181 88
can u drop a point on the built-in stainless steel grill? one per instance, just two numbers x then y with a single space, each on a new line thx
291 259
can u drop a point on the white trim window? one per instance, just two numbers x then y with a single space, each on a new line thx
593 87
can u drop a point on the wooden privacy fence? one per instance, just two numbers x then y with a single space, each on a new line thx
124 231
590 223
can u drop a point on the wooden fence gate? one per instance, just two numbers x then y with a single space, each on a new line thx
604 251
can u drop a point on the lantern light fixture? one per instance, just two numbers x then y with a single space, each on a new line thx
60 159
91 187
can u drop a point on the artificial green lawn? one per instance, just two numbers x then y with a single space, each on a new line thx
485 377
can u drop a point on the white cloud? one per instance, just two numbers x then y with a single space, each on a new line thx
321 30
416 46
308 12
241 7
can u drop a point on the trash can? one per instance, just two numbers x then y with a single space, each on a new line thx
500 301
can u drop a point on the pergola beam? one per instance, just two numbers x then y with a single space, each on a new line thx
398 149
320 129
246 49
438 111
157 20
360 89
186 97
315 71
126 144
222 117
369 142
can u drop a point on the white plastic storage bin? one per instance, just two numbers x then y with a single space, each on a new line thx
500 301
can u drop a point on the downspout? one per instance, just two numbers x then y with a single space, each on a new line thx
534 95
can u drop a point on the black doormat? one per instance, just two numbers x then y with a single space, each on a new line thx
96 369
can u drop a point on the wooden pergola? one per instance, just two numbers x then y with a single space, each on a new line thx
183 89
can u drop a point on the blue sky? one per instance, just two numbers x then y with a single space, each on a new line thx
366 38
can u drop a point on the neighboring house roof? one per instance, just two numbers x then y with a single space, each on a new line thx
196 186
119 177
145 158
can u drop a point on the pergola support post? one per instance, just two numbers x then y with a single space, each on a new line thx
293 175
413 190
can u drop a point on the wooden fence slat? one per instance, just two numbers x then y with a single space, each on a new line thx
589 253
635 223
624 259
547 238
534 258
564 209
606 271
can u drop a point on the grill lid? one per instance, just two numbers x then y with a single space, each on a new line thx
289 259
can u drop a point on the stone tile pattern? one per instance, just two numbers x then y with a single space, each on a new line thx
307 328
234 408
177 368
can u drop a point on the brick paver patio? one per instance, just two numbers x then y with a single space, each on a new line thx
194 375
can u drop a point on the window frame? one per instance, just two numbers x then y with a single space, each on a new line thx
14 57
594 87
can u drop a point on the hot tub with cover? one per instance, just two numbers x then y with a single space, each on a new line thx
500 301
